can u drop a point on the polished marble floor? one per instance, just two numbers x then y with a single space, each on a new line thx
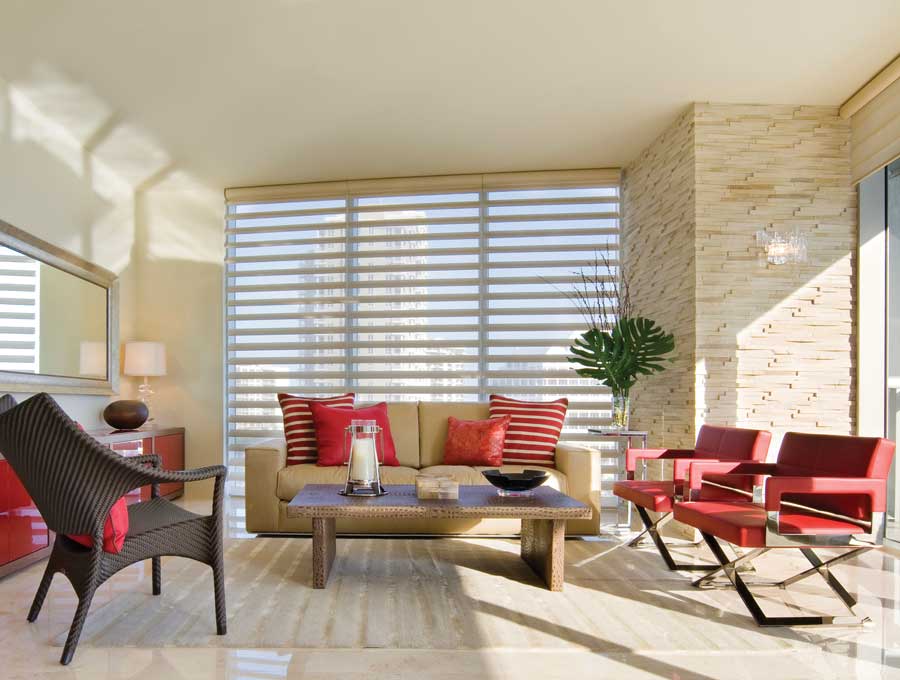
873 652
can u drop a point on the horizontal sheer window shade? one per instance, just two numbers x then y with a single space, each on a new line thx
19 318
433 289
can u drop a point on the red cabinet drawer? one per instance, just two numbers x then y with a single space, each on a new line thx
27 531
22 527
170 447
137 447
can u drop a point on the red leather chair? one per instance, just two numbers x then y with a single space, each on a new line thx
714 444
823 491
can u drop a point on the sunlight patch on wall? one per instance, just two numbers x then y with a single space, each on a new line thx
125 159
183 220
51 110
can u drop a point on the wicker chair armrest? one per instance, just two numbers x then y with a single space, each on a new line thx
157 475
153 459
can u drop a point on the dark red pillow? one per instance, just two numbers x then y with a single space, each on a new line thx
114 529
475 442
330 423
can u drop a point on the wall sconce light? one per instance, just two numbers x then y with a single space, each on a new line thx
781 247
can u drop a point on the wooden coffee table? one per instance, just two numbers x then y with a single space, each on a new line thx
543 516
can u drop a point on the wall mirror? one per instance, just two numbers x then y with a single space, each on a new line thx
59 325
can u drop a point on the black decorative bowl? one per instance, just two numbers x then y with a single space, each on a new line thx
516 483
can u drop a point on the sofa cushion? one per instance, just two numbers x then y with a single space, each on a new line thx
433 426
294 477
475 442
404 419
299 431
330 432
534 430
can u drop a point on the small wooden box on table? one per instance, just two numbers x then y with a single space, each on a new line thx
543 516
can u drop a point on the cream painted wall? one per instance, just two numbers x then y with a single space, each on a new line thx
74 173
181 250
51 187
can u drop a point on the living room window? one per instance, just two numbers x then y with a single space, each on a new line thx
437 288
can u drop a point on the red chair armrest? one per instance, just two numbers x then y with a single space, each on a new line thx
694 478
633 455
875 489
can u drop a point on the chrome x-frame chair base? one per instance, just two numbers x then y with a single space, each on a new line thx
731 569
652 529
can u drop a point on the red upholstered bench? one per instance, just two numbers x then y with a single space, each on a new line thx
714 444
823 490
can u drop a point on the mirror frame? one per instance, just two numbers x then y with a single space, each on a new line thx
38 249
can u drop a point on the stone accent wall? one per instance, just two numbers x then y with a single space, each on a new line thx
758 346
658 253
775 344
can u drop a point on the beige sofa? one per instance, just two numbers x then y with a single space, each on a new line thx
419 431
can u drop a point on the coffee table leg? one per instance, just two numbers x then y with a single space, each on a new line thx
323 549
543 548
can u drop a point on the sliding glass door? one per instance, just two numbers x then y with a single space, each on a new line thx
892 381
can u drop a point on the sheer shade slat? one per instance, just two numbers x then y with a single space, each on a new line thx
436 288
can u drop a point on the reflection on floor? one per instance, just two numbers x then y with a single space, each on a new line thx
641 639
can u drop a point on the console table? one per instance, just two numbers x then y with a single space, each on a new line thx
165 442
627 436
25 539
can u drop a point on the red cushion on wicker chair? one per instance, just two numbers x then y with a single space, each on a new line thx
114 529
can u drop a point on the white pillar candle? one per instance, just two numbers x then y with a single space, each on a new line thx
362 460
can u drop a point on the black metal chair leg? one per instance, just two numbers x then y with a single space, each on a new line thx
661 547
756 611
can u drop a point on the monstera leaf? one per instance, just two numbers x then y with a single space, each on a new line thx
634 346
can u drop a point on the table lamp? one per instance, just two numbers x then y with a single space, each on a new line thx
145 359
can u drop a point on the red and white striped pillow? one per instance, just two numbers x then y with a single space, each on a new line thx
299 430
534 429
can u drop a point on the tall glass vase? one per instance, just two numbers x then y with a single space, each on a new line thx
621 411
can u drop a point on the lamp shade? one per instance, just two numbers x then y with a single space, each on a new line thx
145 358
92 359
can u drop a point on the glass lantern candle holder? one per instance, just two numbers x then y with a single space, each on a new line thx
363 455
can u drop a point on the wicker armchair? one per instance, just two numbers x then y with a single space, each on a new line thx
74 481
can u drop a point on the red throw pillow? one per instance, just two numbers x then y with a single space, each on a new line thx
534 429
330 423
114 529
475 442
299 431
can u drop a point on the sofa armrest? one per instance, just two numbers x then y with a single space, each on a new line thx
581 466
262 463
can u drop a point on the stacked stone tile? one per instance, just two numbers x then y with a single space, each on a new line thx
758 346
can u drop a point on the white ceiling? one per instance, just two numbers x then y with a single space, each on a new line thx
242 92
